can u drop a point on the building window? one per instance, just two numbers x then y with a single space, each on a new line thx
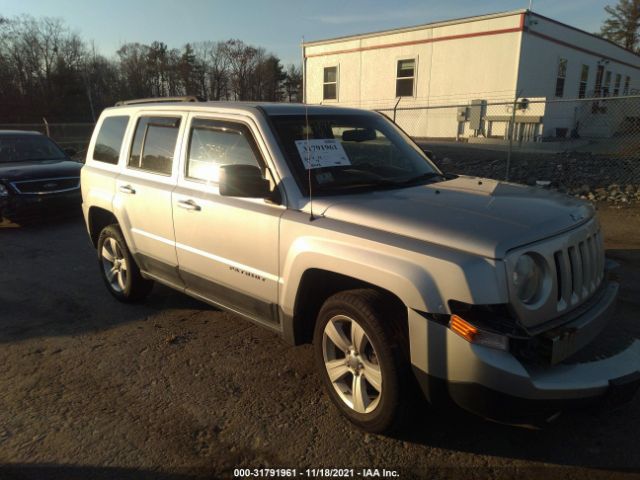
584 78
607 84
330 87
405 78
562 75
616 85
627 80
599 75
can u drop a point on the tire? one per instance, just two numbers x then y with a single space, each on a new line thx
119 271
360 336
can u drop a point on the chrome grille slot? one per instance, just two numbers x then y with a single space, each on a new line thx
579 270
561 276
45 186
586 275
576 273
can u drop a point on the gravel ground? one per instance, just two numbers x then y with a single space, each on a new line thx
589 176
173 389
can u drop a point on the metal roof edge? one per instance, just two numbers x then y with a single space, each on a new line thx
423 26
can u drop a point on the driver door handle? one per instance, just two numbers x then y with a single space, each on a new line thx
189 205
127 189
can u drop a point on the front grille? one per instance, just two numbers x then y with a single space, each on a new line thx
575 261
47 185
579 270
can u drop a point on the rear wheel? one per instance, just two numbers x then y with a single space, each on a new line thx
120 273
363 359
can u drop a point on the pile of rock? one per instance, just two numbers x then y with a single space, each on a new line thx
614 193
589 177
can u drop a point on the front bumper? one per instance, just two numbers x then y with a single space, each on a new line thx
27 207
496 384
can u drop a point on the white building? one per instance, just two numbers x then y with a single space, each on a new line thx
489 58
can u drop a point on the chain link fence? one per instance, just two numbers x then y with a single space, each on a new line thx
588 147
67 135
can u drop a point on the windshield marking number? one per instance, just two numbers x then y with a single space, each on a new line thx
322 153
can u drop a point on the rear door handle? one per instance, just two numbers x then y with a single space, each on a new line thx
189 205
127 189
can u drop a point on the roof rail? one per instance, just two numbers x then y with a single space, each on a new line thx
186 98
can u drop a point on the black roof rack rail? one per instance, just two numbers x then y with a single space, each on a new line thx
186 98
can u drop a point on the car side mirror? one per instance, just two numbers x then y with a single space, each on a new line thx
243 181
71 152
430 155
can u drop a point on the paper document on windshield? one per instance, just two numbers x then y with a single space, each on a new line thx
322 153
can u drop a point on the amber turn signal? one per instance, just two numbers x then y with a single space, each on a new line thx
463 328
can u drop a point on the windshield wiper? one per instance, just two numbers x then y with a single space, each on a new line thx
381 183
363 185
421 177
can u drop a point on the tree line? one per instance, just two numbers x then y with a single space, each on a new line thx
47 70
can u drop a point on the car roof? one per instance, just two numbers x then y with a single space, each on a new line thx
19 132
269 108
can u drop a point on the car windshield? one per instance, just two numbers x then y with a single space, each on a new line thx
349 153
28 148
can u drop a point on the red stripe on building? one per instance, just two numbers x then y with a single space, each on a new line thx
419 42
520 28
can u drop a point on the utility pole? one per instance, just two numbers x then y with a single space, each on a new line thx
512 132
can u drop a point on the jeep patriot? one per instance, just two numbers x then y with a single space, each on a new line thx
331 226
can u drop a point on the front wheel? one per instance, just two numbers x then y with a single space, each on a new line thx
362 358
119 271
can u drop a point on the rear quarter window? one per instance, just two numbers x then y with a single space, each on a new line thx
109 141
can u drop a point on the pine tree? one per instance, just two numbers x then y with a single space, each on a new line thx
623 24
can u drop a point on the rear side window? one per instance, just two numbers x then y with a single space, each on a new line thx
110 138
154 144
213 143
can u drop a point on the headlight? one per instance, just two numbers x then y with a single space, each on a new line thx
3 191
528 278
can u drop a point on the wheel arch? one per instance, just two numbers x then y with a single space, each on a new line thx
316 286
99 218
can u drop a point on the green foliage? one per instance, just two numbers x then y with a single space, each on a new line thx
623 23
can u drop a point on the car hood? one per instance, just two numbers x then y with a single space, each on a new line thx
17 171
480 216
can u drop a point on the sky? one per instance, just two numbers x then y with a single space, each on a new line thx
276 25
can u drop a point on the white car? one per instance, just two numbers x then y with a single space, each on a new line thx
331 226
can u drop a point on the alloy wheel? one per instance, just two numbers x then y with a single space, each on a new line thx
352 364
114 264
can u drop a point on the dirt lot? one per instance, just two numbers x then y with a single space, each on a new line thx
173 389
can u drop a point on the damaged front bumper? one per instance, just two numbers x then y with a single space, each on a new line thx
502 386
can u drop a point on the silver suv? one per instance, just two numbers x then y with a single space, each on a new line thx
331 226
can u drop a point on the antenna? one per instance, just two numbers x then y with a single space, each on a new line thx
306 121
530 5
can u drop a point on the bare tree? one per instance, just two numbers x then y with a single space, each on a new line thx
242 64
219 71
48 70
